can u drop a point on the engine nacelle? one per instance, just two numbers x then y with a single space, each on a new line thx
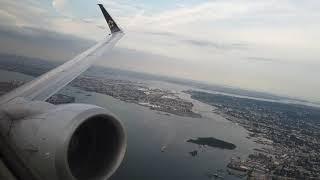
65 142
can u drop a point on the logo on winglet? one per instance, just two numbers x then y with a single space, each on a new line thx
111 24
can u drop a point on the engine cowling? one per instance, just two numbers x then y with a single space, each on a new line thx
67 142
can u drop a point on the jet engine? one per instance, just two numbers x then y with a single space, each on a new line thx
42 141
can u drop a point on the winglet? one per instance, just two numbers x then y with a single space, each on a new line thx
111 23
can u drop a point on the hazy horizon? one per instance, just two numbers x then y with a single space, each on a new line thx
255 45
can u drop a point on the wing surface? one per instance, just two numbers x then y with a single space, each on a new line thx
41 88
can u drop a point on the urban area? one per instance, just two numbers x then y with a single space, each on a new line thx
290 133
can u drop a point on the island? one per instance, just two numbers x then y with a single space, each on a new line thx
212 142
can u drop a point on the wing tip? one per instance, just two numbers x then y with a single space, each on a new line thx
111 23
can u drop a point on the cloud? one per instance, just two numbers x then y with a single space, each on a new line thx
197 28
59 5
219 46
18 14
123 7
213 36
262 59
199 42
56 18
161 33
40 43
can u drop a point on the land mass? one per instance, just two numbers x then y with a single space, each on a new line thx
212 142
94 80
138 93
291 134
36 67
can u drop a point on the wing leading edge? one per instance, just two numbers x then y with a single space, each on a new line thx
51 82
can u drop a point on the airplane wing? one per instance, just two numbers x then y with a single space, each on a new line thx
42 141
51 82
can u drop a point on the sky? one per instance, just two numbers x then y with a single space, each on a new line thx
270 46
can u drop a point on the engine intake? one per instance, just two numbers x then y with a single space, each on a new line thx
94 147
